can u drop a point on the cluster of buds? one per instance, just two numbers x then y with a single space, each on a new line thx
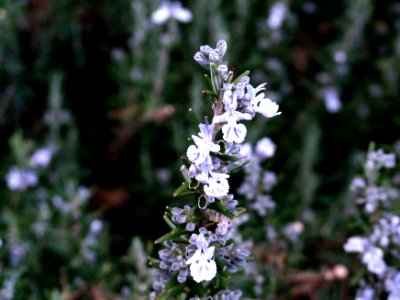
200 252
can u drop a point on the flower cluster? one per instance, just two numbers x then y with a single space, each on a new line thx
258 182
380 248
200 251
20 179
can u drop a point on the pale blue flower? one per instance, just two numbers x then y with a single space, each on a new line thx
207 54
202 264
373 258
41 157
259 103
277 15
217 185
331 99
265 148
19 180
232 131
355 244
204 144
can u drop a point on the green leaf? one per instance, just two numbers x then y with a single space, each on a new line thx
169 222
226 157
218 206
185 161
239 167
215 79
199 289
222 279
154 263
177 231
172 289
183 190
207 81
245 73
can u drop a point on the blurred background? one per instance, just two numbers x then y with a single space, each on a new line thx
105 89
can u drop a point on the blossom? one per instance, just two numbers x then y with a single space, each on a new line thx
365 293
373 258
331 99
20 180
169 10
224 224
204 144
207 54
392 285
232 131
202 265
217 185
355 244
41 157
265 148
277 15
259 103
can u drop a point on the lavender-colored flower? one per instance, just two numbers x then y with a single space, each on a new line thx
392 285
265 148
20 180
277 15
365 293
96 226
202 265
293 230
331 99
223 226
355 244
373 258
262 204
204 144
207 54
41 157
179 215
259 103
233 132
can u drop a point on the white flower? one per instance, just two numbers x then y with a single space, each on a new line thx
202 265
171 10
331 99
355 244
260 104
204 145
265 148
232 131
41 157
373 258
20 180
96 226
276 16
217 185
